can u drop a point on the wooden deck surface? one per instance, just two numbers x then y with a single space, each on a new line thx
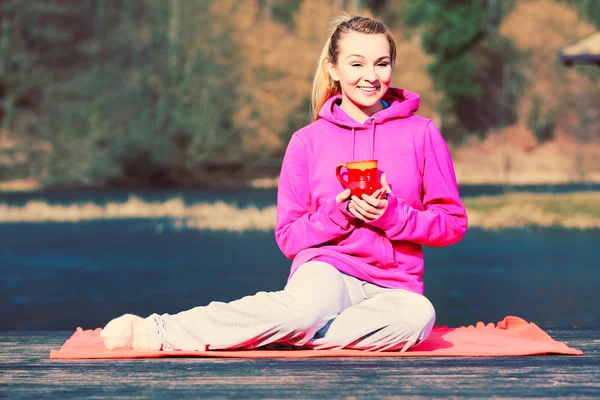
27 372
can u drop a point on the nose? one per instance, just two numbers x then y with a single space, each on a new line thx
371 75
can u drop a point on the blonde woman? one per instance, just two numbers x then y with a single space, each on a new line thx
356 275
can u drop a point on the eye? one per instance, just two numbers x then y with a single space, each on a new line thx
383 64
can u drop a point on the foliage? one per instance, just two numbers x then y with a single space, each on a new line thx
282 11
588 9
450 31
134 91
174 92
477 69
542 126
297 118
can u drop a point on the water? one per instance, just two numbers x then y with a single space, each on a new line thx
247 196
64 275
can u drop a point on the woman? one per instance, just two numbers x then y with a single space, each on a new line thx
356 276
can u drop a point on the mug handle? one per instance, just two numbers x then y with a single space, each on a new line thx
338 171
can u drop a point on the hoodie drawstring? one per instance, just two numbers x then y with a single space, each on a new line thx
353 140
373 139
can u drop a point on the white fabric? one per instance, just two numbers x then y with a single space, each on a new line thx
319 308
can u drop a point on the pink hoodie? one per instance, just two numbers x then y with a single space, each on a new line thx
424 207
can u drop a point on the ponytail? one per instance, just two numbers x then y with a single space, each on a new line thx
324 86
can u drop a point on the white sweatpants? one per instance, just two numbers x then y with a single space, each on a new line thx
320 308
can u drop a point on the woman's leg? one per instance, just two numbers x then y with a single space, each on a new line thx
384 320
315 294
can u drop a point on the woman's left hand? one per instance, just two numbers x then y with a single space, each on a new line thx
369 208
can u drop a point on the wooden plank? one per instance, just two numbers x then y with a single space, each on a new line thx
26 371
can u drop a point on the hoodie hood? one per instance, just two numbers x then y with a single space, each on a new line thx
402 104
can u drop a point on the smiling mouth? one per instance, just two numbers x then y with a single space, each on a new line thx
369 89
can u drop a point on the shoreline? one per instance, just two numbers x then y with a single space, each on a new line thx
576 210
32 186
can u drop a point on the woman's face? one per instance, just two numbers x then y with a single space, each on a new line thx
364 70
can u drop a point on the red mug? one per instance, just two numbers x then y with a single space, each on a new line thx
362 177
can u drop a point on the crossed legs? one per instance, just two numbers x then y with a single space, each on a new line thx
319 308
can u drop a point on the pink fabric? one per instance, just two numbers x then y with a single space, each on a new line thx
424 207
512 336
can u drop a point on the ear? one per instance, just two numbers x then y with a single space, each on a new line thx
332 70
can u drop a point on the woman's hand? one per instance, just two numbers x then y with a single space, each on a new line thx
343 196
369 208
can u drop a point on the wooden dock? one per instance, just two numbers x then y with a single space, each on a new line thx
27 372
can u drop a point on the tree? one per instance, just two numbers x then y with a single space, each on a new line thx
145 103
38 42
477 69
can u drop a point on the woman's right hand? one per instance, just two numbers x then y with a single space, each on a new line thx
343 196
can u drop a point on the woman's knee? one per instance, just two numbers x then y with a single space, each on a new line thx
424 312
313 273
415 318
411 326
317 288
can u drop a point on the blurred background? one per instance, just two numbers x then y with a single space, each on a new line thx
141 141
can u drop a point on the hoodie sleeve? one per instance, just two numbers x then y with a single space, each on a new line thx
298 227
444 219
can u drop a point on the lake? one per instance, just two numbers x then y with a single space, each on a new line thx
60 275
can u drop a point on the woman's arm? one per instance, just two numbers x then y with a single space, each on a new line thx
297 227
444 220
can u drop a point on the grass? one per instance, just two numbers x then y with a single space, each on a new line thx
580 210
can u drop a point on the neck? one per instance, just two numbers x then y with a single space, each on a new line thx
357 113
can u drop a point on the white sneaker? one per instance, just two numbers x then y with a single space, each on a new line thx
126 332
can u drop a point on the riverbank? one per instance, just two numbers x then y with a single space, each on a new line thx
20 185
577 210
570 210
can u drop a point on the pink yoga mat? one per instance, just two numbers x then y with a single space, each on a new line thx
512 336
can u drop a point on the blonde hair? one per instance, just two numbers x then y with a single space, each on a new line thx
324 87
